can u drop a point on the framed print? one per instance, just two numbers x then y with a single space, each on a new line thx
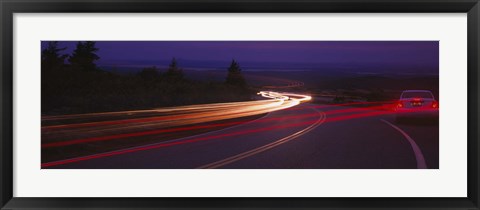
252 105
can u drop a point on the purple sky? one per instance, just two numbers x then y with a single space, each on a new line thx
357 55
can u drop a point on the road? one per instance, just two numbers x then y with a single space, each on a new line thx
304 136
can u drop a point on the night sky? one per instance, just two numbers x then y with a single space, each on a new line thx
367 56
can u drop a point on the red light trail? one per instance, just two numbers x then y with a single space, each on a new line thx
287 100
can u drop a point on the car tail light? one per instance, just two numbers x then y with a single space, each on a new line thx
399 104
435 104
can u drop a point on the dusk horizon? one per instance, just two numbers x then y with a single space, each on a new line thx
390 57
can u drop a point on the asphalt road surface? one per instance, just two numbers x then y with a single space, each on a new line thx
306 136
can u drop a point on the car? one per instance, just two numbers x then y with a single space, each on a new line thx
414 104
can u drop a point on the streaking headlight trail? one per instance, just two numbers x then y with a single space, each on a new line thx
130 121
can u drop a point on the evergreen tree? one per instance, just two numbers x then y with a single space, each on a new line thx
174 72
84 57
235 76
52 58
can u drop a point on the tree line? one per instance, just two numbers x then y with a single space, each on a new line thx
175 73
75 84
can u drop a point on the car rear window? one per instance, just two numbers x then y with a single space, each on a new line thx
417 95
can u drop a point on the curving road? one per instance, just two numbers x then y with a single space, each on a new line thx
297 136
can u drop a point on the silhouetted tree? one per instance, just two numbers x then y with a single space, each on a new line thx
84 57
52 59
235 76
149 73
174 72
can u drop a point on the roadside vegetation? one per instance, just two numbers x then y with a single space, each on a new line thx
75 84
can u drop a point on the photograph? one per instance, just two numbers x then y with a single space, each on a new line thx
239 104
161 104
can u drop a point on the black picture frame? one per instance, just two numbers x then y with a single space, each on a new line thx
10 7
